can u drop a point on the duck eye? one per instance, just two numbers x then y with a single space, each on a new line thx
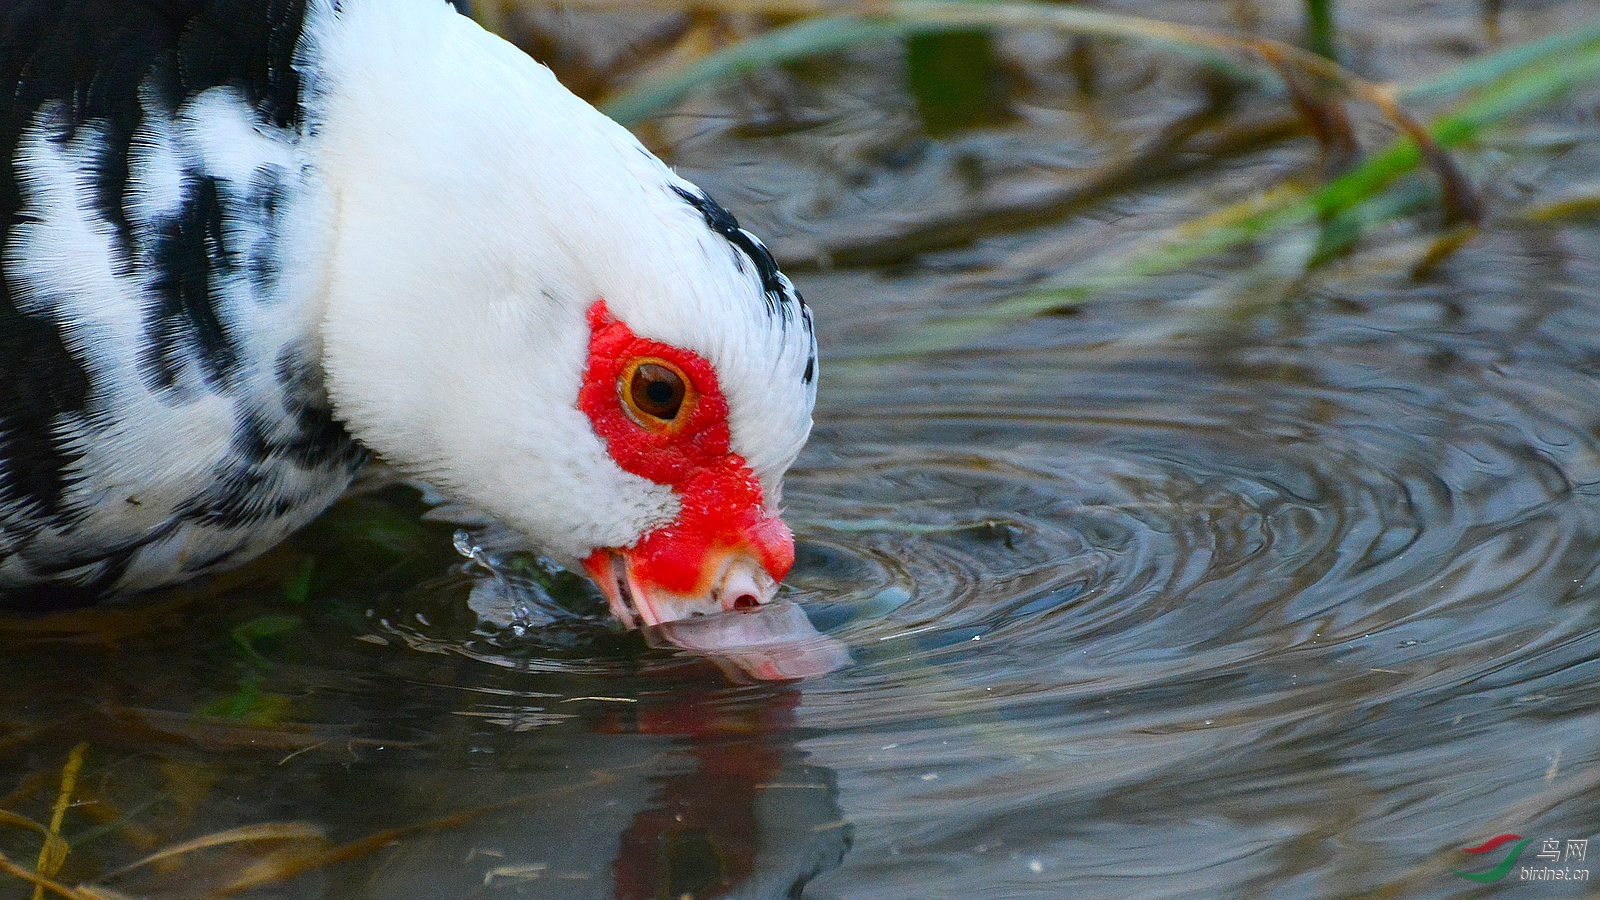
654 392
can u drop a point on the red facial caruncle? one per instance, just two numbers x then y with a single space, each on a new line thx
662 415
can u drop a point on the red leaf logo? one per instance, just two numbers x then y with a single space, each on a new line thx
1493 842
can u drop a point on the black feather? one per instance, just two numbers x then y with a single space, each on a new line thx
746 246
91 74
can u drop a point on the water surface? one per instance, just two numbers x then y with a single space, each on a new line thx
1182 594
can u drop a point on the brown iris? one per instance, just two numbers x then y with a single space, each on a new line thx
654 391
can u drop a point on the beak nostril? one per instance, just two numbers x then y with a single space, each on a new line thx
744 587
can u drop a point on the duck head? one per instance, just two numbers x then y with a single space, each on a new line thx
526 309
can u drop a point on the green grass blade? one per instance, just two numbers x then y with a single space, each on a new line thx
908 18
809 38
1484 70
1320 36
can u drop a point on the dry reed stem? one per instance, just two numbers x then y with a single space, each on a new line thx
53 855
40 882
270 831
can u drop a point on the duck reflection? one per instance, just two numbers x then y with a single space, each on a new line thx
681 780
696 792
750 818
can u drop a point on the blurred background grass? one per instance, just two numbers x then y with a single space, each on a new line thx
1407 151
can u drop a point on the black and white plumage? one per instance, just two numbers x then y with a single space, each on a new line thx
246 243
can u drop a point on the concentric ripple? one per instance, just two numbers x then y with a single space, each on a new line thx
1217 507
1137 580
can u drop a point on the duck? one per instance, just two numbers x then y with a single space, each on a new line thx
251 245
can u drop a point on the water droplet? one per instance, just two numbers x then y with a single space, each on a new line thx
523 614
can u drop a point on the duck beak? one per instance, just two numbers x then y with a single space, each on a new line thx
682 571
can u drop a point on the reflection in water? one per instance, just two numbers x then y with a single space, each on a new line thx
699 794
751 818
774 643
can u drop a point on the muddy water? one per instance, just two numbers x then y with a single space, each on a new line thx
1157 598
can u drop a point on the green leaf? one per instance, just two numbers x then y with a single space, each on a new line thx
249 703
